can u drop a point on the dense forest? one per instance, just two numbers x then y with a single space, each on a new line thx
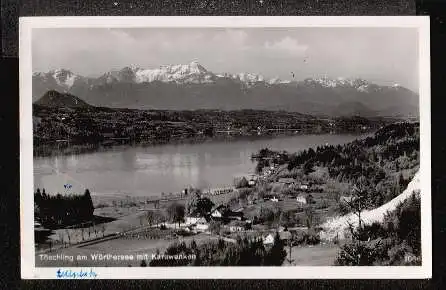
54 211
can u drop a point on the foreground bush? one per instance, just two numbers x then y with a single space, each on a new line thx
360 253
395 242
306 238
243 253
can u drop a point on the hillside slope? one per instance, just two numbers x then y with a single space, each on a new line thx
338 227
55 99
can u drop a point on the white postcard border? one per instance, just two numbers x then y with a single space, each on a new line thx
28 269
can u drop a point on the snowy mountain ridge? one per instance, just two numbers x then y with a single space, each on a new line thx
194 73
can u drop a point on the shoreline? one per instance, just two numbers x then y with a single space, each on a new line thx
48 149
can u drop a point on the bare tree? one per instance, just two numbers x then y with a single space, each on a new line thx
151 217
102 228
357 203
141 220
359 200
68 234
95 229
290 248
176 213
82 233
309 215
60 236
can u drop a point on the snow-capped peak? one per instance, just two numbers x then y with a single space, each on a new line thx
183 69
276 80
63 77
248 78
180 73
326 82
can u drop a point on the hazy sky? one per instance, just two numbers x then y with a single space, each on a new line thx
381 55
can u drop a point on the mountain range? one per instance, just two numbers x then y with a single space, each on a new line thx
191 86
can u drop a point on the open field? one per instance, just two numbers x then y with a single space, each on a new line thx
318 255
119 246
123 212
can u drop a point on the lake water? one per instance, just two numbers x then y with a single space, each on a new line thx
146 171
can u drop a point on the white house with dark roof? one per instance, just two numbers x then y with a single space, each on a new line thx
219 211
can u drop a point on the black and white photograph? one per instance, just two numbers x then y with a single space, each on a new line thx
287 144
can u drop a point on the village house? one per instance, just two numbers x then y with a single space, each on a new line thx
269 196
223 212
218 191
268 240
218 212
198 223
236 226
192 219
252 180
202 225
346 199
301 199
304 186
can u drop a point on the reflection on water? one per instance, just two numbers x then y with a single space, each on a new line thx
164 168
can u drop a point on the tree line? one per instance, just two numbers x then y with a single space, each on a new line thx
61 210
95 125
